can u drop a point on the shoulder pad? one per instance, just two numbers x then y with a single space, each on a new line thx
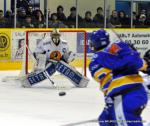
114 48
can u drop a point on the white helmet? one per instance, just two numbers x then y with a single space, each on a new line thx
55 35
55 32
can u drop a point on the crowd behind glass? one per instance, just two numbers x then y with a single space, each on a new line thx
27 17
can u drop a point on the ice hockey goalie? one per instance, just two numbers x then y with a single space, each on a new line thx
52 54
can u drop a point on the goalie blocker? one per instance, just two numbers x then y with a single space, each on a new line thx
69 72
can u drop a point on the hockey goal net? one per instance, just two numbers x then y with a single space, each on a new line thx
76 40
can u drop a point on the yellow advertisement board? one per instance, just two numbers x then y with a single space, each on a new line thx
12 49
5 44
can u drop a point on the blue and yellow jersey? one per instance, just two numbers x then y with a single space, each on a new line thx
101 74
116 68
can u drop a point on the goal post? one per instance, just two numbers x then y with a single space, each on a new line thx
76 39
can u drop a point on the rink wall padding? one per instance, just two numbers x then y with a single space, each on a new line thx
11 39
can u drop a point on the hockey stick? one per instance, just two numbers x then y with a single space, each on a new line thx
52 82
109 24
112 29
82 122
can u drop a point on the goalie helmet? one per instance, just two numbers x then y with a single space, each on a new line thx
55 35
99 40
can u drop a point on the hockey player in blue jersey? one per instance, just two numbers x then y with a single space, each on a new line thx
116 66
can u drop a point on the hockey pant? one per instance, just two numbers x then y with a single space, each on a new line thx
124 110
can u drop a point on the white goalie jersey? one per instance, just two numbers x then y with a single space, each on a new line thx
55 52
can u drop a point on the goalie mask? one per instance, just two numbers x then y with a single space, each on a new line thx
55 35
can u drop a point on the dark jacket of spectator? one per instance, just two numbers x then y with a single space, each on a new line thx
60 14
114 19
71 20
23 3
9 19
21 15
87 21
99 18
55 23
142 22
39 21
28 22
2 19
124 20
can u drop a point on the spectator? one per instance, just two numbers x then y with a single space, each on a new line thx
142 22
21 15
124 20
60 14
8 14
30 11
143 11
39 20
71 20
114 19
28 22
2 19
23 4
87 21
54 22
99 18
9 19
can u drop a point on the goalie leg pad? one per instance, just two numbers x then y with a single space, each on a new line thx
50 68
73 75
32 79
36 77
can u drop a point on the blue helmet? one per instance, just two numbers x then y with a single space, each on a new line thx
99 40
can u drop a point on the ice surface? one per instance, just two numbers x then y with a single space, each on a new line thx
42 106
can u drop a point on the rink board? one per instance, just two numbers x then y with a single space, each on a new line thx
9 39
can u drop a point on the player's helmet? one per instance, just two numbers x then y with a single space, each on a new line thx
99 40
55 35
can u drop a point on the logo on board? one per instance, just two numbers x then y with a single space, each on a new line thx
4 41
